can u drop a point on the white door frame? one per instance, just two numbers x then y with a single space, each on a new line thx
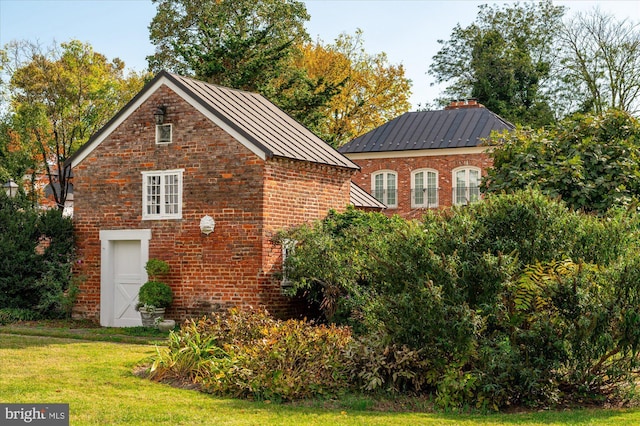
107 239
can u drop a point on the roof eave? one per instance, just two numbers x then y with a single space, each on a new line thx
352 167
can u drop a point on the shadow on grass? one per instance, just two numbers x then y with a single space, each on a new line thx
424 405
561 417
82 330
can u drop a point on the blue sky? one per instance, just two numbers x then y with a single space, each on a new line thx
406 30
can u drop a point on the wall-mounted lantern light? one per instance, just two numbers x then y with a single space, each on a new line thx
207 225
10 188
159 114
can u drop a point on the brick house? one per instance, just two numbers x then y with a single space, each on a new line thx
181 154
426 159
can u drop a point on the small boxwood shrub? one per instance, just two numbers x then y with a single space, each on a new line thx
155 293
156 268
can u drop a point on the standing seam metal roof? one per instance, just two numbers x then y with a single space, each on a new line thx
451 128
262 123
361 198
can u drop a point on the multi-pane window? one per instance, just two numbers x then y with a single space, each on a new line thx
466 185
162 194
424 191
384 187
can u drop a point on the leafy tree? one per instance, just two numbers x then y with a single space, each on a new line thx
15 162
504 59
601 62
338 91
244 44
590 161
371 91
302 96
241 43
59 98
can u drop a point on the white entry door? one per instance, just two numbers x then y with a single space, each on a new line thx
127 280
124 254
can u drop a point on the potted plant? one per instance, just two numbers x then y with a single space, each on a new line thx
165 324
154 295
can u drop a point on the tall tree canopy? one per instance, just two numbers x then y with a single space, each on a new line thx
58 99
601 62
242 44
504 59
371 91
590 161
338 91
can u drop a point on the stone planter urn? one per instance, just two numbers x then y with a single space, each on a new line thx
150 316
166 325
154 296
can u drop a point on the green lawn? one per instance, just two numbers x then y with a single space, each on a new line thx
96 379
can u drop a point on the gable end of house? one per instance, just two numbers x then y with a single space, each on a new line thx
250 118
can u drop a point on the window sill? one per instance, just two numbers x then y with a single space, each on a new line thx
162 218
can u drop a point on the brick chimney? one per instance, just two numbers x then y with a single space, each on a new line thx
464 103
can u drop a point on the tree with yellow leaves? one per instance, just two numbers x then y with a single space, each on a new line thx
57 99
371 91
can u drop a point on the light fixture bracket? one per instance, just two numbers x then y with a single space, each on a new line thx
159 114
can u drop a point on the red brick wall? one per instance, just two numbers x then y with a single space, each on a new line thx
444 164
296 192
249 199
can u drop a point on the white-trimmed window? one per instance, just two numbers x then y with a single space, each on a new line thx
288 248
162 194
466 181
384 187
424 188
164 134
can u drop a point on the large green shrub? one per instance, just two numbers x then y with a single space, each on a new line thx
18 258
331 263
36 257
513 300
